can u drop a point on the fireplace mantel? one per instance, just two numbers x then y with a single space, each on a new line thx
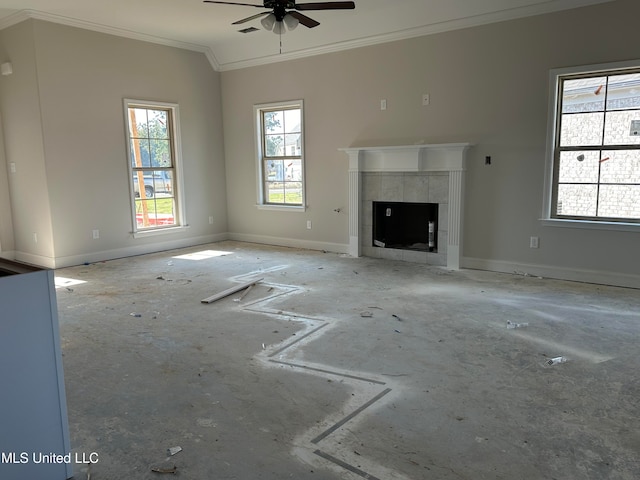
447 157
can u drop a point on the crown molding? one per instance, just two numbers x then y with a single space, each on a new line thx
545 7
550 6
23 15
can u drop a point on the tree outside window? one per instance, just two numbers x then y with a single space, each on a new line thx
280 146
152 165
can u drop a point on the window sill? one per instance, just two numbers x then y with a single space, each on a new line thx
281 208
590 225
159 231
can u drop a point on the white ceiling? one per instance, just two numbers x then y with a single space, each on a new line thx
207 28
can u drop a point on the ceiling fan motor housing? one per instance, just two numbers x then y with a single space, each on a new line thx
279 3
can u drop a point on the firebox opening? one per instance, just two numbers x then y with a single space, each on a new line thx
405 226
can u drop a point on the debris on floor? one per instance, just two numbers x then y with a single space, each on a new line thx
366 314
171 470
396 317
173 450
244 294
511 324
230 291
556 360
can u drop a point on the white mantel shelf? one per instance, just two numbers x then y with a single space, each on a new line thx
444 157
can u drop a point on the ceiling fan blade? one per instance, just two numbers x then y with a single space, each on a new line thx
234 3
303 19
248 19
326 6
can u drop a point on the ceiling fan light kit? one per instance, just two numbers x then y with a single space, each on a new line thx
285 14
291 22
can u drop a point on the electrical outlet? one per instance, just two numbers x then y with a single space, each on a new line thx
309 224
210 220
383 104
96 234
534 242
35 238
12 167
426 99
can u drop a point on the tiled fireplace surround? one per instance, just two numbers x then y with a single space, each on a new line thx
408 173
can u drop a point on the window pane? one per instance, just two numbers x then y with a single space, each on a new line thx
294 170
293 193
159 153
274 145
274 170
139 153
583 95
138 123
624 92
292 145
619 201
581 129
163 183
274 192
579 167
292 121
273 122
619 128
147 178
158 124
577 200
620 166
155 212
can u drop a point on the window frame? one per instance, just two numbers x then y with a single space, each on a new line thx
176 169
259 136
549 217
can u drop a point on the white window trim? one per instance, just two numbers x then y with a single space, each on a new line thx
260 204
547 220
177 157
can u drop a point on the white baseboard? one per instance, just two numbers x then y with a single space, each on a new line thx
8 254
561 273
92 257
31 259
547 271
290 242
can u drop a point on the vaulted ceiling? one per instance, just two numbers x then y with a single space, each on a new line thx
208 28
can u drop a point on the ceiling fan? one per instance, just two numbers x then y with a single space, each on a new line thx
286 12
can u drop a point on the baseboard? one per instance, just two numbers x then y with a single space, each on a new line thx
290 242
560 273
92 257
31 259
8 254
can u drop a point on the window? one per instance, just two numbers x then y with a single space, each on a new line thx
595 167
280 154
153 165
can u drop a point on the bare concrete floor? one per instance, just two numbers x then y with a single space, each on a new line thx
345 368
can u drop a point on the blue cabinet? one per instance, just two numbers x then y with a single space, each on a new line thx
34 429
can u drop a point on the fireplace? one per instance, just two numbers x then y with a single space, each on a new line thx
405 226
409 174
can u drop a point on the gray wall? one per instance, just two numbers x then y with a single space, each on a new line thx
488 86
63 120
